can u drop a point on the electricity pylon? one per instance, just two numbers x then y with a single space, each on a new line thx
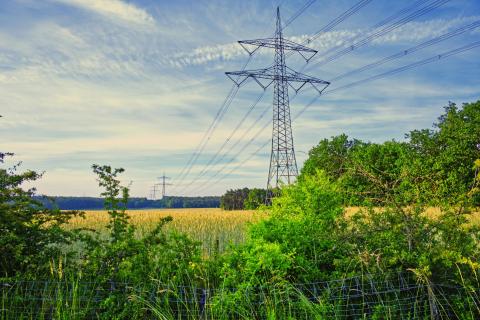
153 192
283 164
163 178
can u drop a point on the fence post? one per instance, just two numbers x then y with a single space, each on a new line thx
203 301
434 314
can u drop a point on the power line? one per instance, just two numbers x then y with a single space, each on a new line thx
338 20
326 28
410 66
411 50
379 24
298 13
373 78
378 33
225 105
361 4
234 131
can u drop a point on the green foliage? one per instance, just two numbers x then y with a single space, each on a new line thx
116 206
330 156
255 199
378 174
30 234
124 258
405 238
297 243
432 167
234 199
307 238
243 199
446 154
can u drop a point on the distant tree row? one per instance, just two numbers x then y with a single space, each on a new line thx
243 199
93 203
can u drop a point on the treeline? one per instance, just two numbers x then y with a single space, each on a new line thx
243 199
433 165
93 203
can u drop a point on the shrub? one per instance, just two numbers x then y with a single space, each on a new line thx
30 234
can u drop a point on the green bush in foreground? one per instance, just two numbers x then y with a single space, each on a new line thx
30 234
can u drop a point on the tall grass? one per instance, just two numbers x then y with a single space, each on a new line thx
394 296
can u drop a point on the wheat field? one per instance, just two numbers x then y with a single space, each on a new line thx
214 228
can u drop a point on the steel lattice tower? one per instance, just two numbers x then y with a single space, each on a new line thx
283 164
164 184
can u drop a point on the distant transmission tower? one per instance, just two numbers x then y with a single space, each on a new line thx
283 164
164 183
153 192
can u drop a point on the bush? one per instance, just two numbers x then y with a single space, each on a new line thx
30 234
297 243
138 262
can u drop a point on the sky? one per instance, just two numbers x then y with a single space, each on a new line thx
136 84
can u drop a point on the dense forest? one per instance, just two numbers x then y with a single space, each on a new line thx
93 203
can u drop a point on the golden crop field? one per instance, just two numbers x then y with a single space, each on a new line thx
207 225
431 212
213 227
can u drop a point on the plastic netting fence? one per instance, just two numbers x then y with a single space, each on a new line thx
398 296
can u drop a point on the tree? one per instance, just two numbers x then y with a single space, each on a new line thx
30 234
255 198
234 199
446 153
432 166
330 156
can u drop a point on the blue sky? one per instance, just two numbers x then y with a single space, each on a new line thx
135 84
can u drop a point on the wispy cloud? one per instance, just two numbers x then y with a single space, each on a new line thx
114 9
410 32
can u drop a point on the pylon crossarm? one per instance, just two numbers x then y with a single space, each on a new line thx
270 74
297 89
250 52
236 81
273 43
307 59
261 84
320 91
